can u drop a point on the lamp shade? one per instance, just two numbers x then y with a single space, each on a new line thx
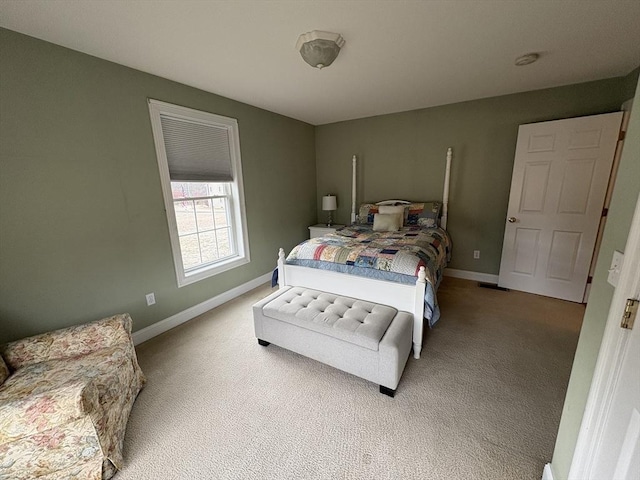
329 202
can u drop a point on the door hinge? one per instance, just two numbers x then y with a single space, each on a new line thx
605 212
589 279
622 135
629 315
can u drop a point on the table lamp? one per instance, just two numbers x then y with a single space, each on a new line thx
329 204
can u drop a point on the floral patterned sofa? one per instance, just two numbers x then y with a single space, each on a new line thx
65 398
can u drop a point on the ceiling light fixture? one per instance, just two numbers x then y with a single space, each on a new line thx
527 59
319 49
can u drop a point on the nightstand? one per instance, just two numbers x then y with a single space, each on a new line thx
321 229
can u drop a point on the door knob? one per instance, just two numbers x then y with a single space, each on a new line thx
512 219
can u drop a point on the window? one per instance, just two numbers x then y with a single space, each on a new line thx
201 175
202 219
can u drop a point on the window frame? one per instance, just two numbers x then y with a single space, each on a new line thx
237 202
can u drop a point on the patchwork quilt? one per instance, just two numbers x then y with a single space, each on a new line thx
394 256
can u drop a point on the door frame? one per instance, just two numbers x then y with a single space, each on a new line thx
626 115
612 352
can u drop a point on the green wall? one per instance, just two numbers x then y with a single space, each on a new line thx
623 202
83 232
403 156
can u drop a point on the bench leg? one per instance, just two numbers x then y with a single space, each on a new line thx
387 391
264 343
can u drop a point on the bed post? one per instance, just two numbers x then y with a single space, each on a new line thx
445 195
353 191
281 280
418 312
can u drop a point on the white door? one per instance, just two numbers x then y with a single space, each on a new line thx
560 175
608 446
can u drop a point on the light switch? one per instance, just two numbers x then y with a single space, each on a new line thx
616 267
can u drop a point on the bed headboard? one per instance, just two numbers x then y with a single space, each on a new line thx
445 195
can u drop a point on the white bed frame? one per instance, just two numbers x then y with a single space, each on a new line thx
403 297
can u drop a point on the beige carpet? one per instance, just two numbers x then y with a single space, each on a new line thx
483 402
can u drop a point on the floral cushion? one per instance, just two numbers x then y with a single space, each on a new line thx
65 416
4 371
69 342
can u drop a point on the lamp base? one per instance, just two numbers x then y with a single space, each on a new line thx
329 219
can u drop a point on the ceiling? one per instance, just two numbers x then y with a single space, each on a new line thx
399 55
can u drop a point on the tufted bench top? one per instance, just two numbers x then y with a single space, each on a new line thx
354 321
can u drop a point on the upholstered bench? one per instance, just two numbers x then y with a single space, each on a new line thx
365 339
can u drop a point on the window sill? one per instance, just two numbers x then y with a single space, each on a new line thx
211 270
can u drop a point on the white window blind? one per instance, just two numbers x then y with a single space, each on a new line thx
196 151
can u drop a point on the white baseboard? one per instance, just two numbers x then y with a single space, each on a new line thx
547 473
468 275
181 317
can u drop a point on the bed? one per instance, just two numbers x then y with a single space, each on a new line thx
400 268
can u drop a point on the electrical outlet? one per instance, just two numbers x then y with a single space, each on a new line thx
151 299
476 254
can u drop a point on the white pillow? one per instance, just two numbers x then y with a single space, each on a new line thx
387 222
397 209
